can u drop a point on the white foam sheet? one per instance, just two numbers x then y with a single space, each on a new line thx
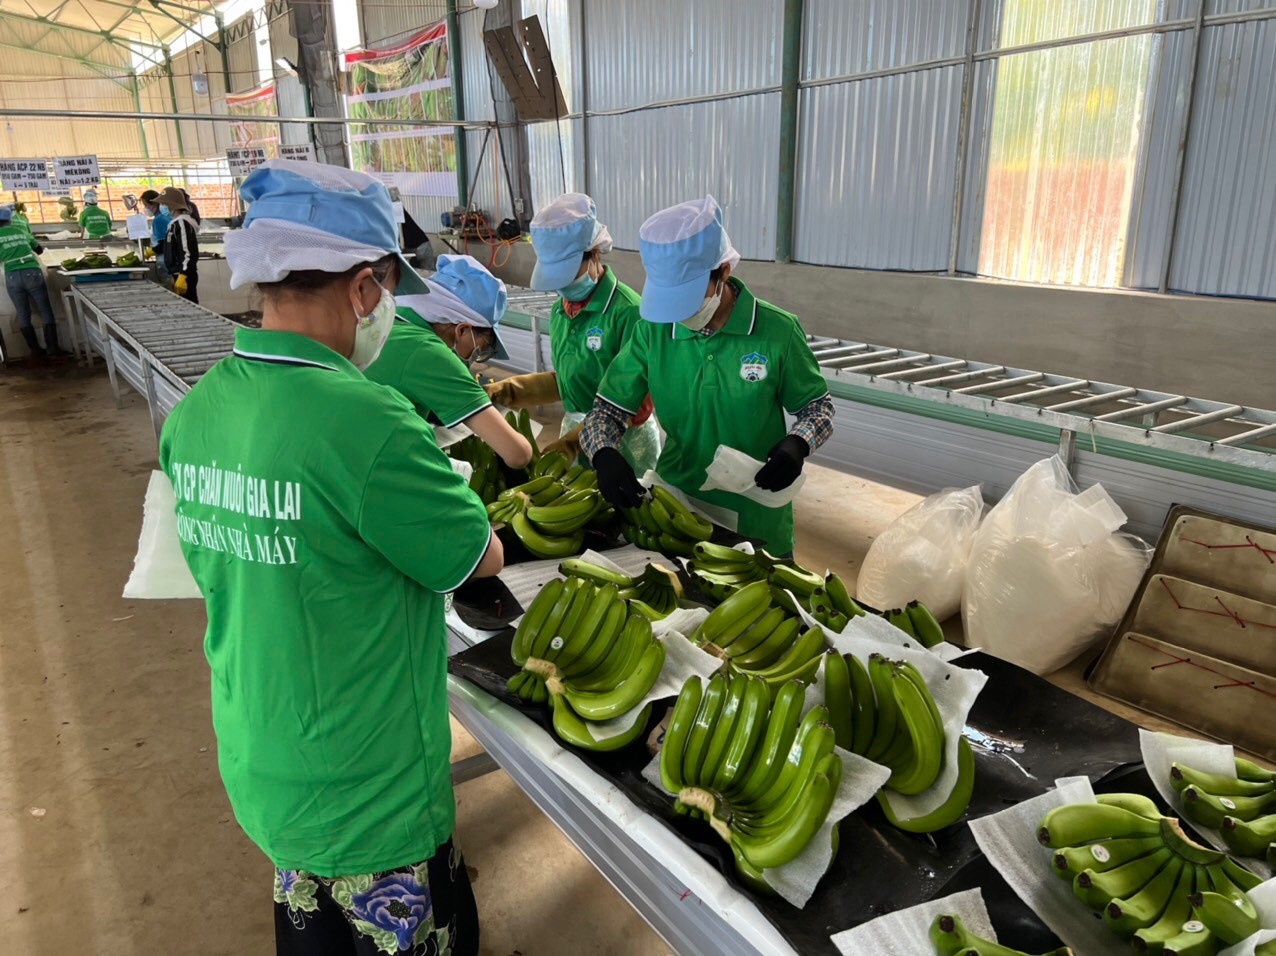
861 779
683 863
159 568
953 688
734 471
906 932
462 468
1009 840
1161 750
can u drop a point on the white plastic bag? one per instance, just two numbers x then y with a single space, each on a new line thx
922 555
1048 572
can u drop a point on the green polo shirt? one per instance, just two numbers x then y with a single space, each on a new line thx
96 222
17 249
24 222
583 347
420 366
323 526
730 388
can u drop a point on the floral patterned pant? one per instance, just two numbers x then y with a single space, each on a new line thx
422 910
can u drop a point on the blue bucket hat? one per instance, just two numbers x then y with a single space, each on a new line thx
562 233
680 246
465 279
304 215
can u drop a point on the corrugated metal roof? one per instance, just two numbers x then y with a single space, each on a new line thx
841 38
642 162
877 167
661 50
1226 240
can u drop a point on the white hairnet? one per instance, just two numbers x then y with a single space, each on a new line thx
442 305
685 220
570 208
272 248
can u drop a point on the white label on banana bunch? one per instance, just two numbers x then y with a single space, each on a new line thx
1160 750
906 932
953 688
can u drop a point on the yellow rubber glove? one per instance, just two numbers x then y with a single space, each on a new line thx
523 391
568 444
149 253
179 284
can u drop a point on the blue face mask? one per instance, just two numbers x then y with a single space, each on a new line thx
579 290
163 210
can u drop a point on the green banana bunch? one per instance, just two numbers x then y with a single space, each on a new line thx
1150 882
951 810
663 523
1242 808
487 479
950 937
547 515
719 571
521 422
593 573
582 651
554 464
657 589
763 775
1209 810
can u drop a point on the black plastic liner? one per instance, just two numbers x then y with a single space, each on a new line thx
1026 733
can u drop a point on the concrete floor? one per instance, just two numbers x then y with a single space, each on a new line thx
115 833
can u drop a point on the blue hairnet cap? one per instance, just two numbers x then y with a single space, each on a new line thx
680 246
6 213
351 208
562 233
467 279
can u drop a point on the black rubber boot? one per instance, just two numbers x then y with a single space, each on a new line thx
51 342
33 343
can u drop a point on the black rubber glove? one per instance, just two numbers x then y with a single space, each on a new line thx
783 463
616 479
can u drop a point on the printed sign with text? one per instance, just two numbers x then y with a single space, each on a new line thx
245 159
24 173
76 170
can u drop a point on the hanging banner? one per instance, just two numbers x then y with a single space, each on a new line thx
253 129
244 160
304 152
24 173
76 171
409 82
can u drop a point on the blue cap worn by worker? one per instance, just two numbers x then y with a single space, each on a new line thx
462 291
313 216
562 233
6 213
680 246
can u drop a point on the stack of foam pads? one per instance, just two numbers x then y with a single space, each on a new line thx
1198 643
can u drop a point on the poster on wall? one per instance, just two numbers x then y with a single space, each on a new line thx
302 152
411 81
76 171
24 173
252 128
245 159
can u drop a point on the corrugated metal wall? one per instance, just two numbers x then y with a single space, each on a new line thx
877 169
1226 240
383 22
840 38
241 58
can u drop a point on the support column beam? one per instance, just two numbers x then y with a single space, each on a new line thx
454 54
790 76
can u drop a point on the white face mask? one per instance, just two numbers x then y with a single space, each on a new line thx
371 330
704 315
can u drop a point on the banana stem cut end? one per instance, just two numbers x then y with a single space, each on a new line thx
542 668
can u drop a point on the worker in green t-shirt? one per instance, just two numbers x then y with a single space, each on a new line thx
24 281
324 528
20 218
722 367
95 222
434 340
589 323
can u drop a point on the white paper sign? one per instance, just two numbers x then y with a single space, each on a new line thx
302 152
139 227
76 170
56 190
244 160
24 173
